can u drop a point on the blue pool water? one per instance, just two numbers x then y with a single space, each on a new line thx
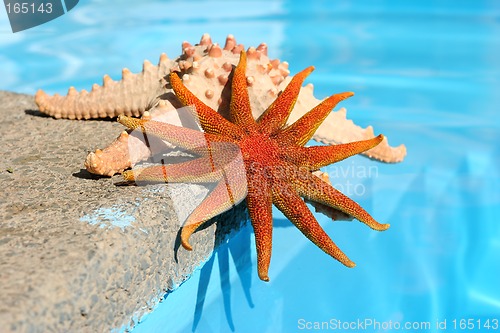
425 73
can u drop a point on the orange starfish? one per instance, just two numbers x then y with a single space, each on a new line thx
262 160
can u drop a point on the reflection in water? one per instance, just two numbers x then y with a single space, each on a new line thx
239 248
240 253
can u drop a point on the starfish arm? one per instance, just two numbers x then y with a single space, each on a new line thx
313 188
211 121
277 113
259 203
199 170
295 209
239 108
303 129
183 137
220 157
315 157
226 194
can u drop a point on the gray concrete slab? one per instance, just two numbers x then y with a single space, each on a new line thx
77 252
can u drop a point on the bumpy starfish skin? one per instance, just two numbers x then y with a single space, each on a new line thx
261 160
204 69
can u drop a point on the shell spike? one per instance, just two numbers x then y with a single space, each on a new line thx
230 43
126 73
106 80
146 65
214 51
72 91
262 48
206 39
163 59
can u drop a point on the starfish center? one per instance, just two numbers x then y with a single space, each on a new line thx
259 148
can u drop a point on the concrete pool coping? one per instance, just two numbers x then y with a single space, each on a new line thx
78 252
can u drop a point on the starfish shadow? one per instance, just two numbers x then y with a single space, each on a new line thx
223 108
281 223
239 249
84 174
36 113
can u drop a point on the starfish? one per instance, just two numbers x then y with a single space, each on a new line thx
262 160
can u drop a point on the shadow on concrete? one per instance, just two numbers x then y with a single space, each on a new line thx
84 174
36 113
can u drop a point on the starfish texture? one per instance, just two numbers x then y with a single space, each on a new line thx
261 159
204 69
